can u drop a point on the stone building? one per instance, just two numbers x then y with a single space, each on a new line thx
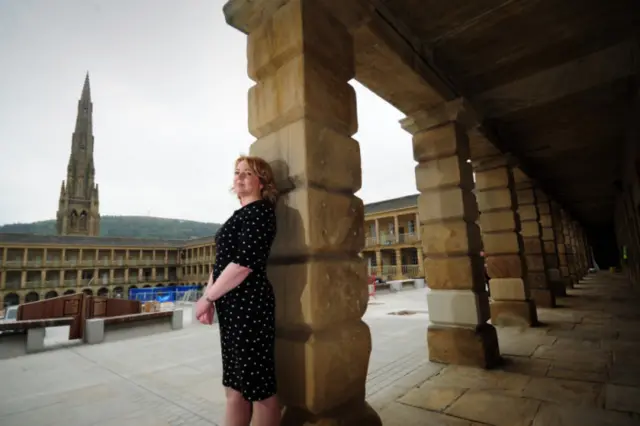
35 267
79 205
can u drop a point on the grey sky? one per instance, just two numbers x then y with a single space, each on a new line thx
169 88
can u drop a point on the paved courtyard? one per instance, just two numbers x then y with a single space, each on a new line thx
174 378
581 368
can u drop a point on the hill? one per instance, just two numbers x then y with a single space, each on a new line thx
129 226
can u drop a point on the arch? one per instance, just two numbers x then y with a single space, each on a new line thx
159 285
70 292
73 219
87 291
32 296
11 299
118 292
147 286
51 294
103 291
82 222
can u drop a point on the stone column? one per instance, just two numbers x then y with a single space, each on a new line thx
420 261
568 243
587 248
550 244
560 244
580 247
302 111
378 262
503 244
458 332
531 231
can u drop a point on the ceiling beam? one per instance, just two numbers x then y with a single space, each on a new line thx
605 66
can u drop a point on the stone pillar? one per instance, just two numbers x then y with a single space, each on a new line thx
420 261
302 111
531 231
550 244
577 229
568 243
587 248
398 256
458 332
503 244
378 263
560 244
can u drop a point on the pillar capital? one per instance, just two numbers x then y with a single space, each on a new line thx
458 110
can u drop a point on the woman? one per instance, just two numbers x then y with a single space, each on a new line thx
244 298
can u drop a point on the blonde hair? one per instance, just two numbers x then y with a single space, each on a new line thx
263 170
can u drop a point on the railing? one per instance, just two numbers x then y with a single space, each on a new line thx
394 271
388 239
13 263
33 284
70 283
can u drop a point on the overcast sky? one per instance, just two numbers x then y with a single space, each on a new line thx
169 88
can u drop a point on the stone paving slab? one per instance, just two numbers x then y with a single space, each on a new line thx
580 368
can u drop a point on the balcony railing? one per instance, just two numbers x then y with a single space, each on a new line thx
394 271
33 284
388 239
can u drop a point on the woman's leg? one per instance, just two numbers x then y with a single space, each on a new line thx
238 409
266 412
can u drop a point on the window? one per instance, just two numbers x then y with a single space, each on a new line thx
411 227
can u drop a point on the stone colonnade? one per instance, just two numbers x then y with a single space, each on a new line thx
302 112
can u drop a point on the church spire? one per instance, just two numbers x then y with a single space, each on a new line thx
78 208
86 90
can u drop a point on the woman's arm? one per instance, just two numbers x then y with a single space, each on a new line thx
230 278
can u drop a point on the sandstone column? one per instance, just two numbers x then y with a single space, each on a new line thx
302 111
577 229
587 248
531 231
458 332
570 250
563 259
503 244
549 244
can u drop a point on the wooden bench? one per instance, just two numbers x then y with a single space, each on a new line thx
24 337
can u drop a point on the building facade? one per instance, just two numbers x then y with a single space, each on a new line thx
36 267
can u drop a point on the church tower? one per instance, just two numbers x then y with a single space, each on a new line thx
78 210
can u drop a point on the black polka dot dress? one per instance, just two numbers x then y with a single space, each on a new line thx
246 314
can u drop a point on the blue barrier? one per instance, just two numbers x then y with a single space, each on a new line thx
160 294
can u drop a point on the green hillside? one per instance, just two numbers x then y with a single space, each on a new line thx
128 226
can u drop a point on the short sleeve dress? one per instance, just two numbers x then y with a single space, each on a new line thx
246 314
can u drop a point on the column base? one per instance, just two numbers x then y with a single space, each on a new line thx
559 288
356 413
543 297
473 346
508 313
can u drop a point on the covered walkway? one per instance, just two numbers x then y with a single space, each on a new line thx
581 367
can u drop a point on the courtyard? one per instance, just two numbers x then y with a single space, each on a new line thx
579 368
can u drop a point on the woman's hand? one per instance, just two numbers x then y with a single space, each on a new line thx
204 311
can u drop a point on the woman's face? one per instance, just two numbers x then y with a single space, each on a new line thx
245 181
